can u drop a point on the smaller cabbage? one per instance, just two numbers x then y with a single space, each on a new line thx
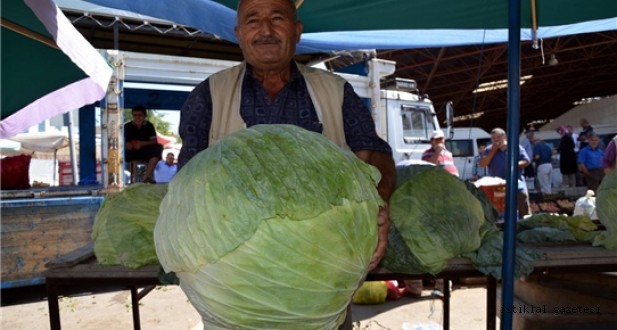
371 293
124 226
434 218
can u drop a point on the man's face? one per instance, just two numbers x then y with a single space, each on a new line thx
169 159
267 32
594 141
499 140
584 123
437 142
138 117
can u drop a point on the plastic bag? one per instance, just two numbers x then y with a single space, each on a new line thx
586 205
394 292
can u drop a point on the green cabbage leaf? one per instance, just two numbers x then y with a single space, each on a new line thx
606 209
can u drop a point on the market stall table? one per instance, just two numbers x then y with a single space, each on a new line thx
79 268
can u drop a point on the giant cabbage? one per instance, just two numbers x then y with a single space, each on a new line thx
272 227
434 219
123 226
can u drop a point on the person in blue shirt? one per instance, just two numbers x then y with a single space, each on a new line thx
496 159
542 155
477 171
527 144
165 170
590 162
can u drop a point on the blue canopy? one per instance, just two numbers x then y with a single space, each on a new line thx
392 24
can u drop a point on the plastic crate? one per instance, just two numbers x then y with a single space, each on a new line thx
496 194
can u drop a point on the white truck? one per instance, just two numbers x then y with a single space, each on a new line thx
402 116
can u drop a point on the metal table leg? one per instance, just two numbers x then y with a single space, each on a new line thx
135 307
491 303
52 303
446 303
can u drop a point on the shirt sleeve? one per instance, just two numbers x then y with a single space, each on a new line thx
195 121
151 131
522 154
426 155
475 165
581 156
128 132
360 132
609 155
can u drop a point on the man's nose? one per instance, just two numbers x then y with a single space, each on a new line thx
265 27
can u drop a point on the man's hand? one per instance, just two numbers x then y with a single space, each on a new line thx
385 164
383 223
129 145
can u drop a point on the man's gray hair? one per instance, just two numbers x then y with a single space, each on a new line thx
294 3
498 131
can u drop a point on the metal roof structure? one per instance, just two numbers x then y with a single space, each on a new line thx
584 65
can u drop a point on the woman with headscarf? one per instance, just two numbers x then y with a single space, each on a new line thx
567 158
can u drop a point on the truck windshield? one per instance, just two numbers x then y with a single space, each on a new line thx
417 125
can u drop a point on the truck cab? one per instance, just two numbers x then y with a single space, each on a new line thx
411 120
403 117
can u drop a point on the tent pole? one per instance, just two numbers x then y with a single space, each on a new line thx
513 124
72 153
55 168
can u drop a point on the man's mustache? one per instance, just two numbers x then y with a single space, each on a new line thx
266 40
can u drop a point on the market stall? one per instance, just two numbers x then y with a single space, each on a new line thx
80 269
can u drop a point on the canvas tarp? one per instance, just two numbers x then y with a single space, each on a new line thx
331 26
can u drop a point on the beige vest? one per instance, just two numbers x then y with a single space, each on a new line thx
325 89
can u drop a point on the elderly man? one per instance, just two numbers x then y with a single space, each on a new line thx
590 162
496 159
269 87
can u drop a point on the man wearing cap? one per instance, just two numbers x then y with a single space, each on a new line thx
438 154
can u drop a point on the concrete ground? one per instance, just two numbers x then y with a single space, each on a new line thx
167 307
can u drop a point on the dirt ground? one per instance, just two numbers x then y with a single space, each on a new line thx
167 307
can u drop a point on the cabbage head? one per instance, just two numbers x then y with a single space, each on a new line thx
272 227
606 209
123 226
434 219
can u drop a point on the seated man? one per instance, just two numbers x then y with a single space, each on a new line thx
140 142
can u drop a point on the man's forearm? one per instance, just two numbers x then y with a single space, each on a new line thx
486 159
385 165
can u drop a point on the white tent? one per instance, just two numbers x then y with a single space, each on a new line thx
598 113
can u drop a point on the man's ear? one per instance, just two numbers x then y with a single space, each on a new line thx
299 29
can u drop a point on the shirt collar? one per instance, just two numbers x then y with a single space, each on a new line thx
295 73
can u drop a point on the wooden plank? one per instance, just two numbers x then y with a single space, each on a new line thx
34 235
73 258
569 255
